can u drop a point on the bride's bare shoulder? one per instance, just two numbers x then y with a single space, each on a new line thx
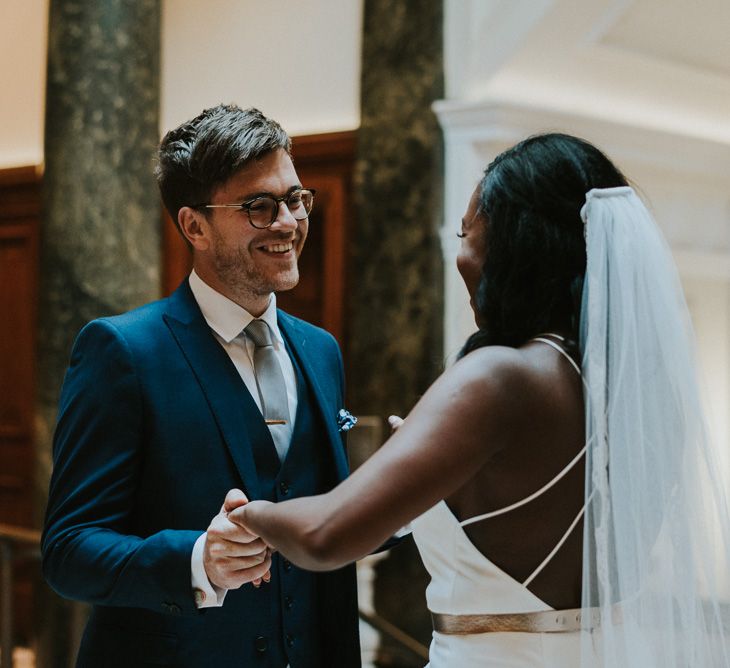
495 366
496 381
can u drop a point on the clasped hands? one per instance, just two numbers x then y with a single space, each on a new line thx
233 555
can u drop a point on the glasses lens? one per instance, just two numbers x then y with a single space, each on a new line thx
300 203
262 211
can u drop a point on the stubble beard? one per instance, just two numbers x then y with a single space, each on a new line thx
236 269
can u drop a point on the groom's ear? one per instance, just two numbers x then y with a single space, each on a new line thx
194 226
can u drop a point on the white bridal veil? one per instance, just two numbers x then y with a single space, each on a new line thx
656 541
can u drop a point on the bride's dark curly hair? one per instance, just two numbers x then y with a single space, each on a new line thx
532 277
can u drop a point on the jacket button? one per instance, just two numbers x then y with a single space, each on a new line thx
288 602
261 644
289 640
286 564
284 488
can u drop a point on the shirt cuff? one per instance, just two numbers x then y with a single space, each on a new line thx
206 594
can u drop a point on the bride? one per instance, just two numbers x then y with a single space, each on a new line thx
557 477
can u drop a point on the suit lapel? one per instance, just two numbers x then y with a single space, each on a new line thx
234 410
297 342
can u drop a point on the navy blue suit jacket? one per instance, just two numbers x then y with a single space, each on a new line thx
153 430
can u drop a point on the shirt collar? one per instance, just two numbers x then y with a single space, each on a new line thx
225 317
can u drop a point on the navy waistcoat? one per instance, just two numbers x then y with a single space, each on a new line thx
291 633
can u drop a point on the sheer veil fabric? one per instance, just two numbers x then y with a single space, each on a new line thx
656 538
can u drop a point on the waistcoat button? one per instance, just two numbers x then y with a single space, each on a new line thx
261 644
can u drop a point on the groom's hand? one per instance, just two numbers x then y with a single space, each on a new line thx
233 556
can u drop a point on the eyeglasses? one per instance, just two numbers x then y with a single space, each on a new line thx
262 211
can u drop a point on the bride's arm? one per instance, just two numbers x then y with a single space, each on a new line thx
465 417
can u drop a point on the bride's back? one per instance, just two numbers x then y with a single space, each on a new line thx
549 433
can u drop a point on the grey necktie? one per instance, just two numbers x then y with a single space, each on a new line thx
271 385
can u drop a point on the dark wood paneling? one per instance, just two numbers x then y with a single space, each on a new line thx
323 162
19 223
19 228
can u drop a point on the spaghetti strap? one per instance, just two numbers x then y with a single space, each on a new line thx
552 344
532 497
554 551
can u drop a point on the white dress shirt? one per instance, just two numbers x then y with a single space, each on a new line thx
227 320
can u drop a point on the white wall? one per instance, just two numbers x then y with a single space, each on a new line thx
23 30
299 62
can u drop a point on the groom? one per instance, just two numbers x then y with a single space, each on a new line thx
176 413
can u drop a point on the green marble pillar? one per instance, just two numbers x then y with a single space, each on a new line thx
100 234
396 321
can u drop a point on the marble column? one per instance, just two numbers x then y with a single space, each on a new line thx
396 322
100 232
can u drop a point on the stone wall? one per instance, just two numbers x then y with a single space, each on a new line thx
100 231
395 346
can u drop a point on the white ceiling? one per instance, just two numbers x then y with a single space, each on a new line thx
694 34
660 64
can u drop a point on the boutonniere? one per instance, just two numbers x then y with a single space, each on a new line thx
345 420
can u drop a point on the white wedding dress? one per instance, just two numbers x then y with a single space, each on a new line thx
465 582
